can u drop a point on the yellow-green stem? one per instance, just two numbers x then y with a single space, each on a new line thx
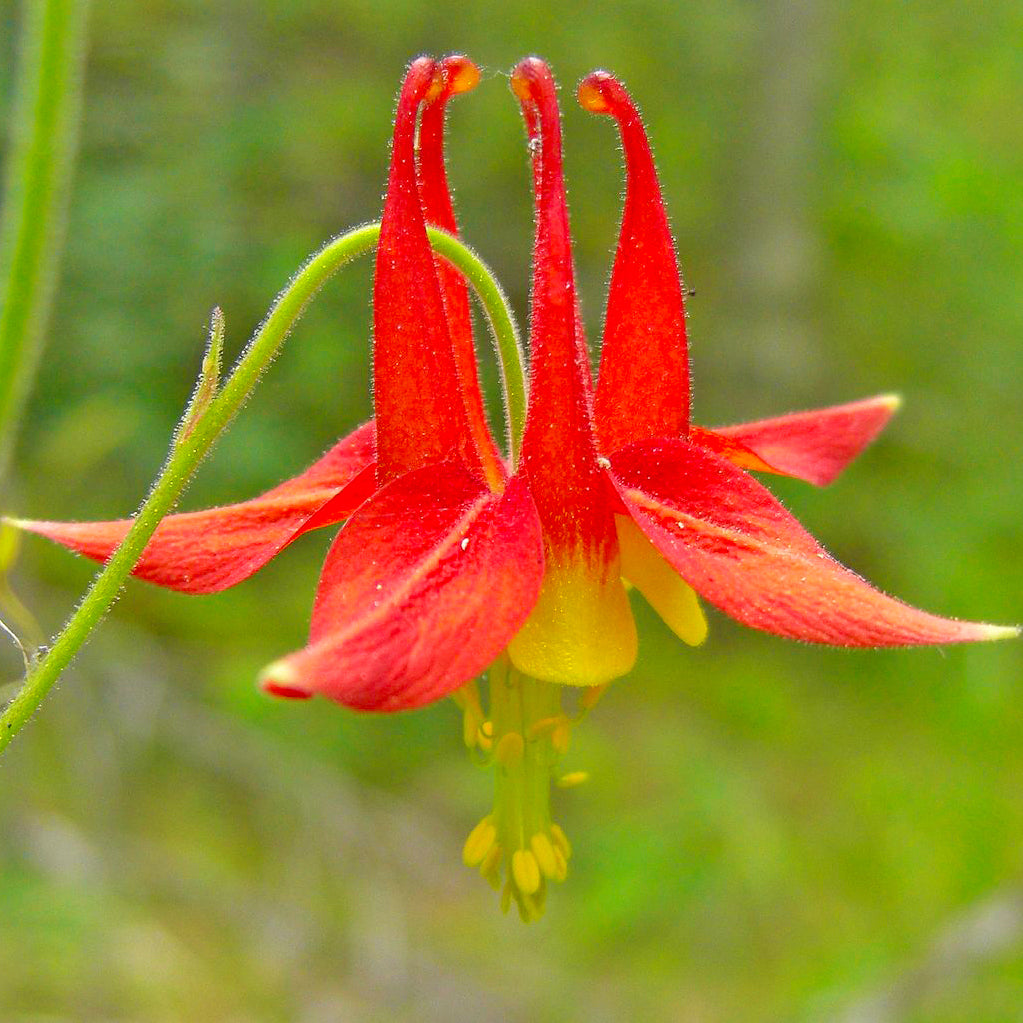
39 159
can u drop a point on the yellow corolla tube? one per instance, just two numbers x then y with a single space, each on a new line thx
581 631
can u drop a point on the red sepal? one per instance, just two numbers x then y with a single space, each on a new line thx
423 588
729 538
643 385
814 446
207 551
420 414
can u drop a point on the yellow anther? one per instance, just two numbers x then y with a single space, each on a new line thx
487 728
561 841
589 696
544 726
490 868
510 749
525 871
573 778
561 871
506 897
560 737
544 853
480 841
484 741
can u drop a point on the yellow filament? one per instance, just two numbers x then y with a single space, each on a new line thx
545 725
560 737
589 697
510 749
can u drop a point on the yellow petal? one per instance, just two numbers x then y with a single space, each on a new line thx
665 590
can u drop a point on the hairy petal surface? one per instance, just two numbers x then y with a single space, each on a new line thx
459 75
582 630
731 540
422 589
207 551
643 384
420 414
813 446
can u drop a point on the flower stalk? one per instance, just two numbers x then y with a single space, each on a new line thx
40 157
196 435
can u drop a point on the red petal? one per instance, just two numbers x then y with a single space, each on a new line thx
814 446
423 588
643 386
737 547
208 551
460 75
420 413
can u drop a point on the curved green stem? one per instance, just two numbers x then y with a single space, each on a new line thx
502 325
36 189
192 444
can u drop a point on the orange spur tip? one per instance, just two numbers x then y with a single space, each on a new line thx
528 77
592 92
460 74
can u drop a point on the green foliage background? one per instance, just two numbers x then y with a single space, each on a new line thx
773 832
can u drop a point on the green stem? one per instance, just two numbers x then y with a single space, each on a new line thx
36 191
506 338
191 447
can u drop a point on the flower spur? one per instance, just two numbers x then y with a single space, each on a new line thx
454 561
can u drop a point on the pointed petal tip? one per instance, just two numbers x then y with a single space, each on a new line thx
987 633
731 541
280 679
814 446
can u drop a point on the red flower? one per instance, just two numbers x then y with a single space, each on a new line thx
451 561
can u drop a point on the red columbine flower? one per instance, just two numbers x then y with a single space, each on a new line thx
453 563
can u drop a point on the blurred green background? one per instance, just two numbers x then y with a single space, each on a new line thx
773 832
